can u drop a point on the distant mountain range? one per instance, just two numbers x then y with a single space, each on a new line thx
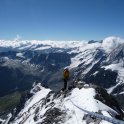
93 62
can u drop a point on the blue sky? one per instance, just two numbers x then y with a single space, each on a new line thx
61 19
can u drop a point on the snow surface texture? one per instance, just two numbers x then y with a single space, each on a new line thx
35 110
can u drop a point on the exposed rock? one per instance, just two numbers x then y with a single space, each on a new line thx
109 100
53 116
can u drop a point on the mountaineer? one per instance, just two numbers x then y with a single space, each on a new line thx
66 75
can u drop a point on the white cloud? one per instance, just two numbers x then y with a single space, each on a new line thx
111 43
17 38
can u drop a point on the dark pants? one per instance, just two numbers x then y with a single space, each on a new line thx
65 84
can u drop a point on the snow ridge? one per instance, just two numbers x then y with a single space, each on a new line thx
111 120
45 106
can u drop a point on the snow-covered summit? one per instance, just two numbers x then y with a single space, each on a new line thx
48 107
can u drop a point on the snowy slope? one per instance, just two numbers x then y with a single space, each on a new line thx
47 107
44 61
120 70
115 62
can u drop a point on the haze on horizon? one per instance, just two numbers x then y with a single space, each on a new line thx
61 19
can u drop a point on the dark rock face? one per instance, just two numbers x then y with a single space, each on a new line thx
118 89
99 54
9 54
93 41
109 100
100 76
116 55
104 78
120 99
53 116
